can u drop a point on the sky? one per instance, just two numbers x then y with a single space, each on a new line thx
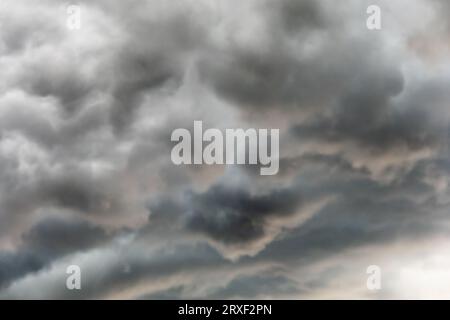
86 177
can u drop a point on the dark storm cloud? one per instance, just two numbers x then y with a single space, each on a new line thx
368 117
331 163
77 193
56 237
230 215
237 215
307 64
298 16
364 213
48 240
14 265
155 54
85 122
132 267
142 72
264 80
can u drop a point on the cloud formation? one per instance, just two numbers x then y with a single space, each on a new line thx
85 171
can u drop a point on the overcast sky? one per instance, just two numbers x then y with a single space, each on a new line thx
86 177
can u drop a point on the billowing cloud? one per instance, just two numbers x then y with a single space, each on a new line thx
86 177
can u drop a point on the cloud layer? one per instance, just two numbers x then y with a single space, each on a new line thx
85 171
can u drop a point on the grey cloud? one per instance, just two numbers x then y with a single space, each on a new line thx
235 215
85 122
370 118
296 16
47 241
230 215
263 285
55 237
15 265
286 75
364 212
